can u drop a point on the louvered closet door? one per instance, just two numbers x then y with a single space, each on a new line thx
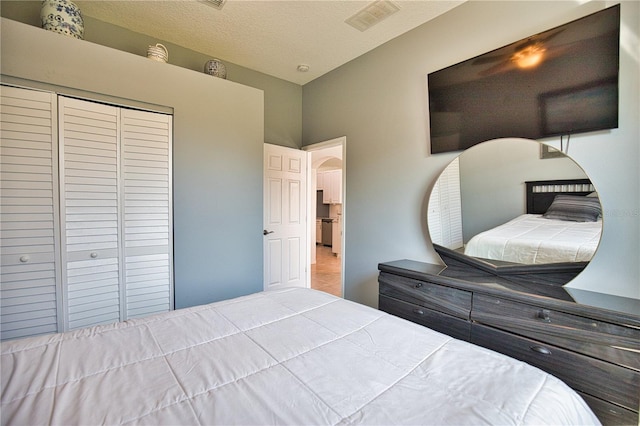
146 183
452 201
89 145
445 208
28 197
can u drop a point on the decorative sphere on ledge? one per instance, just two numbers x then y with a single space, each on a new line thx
216 68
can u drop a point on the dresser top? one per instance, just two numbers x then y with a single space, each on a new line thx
582 302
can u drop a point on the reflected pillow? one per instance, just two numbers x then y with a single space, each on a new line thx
575 208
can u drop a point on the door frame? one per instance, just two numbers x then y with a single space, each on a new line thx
331 143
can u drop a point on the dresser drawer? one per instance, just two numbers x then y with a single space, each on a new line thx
603 380
614 343
610 414
447 324
439 298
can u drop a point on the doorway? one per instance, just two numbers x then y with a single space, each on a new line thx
327 207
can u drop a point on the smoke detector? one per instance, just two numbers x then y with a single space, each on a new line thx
372 14
216 4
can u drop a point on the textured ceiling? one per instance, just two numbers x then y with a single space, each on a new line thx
269 36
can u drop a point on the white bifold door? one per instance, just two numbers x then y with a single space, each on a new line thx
29 231
108 218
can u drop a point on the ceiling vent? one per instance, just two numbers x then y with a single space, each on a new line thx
217 4
372 14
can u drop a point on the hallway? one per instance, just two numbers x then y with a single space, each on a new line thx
325 273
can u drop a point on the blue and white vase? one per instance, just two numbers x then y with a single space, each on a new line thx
216 68
63 17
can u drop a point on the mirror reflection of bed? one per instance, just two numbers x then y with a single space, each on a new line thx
508 207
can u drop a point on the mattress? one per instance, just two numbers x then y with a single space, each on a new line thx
290 356
532 239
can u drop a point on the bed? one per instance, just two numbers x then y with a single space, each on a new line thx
289 356
562 224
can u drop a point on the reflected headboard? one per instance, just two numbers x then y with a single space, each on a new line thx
540 193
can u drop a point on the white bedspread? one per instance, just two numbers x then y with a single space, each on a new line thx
532 239
283 357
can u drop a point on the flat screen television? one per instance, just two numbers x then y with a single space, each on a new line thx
559 82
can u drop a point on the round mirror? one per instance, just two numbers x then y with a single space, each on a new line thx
516 202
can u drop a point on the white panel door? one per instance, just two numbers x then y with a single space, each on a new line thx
29 249
285 217
146 185
89 163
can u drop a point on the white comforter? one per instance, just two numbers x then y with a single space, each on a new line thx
284 357
532 239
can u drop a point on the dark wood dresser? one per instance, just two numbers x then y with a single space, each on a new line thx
589 340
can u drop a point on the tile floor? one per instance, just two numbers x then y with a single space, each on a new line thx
325 273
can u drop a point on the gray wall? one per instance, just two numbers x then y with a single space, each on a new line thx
217 149
379 102
282 99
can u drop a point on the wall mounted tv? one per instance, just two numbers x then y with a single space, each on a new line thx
559 82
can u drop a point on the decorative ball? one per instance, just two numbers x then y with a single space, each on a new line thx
63 17
216 68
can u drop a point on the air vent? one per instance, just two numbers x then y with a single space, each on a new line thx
372 14
217 4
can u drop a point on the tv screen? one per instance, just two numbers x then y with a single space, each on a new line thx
559 82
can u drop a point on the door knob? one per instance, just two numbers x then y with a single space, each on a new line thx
265 232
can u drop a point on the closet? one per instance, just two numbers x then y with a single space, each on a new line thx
85 213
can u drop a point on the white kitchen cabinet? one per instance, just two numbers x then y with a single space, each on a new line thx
319 181
336 187
91 226
332 184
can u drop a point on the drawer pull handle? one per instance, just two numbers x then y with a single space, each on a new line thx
418 311
24 259
541 350
93 255
418 285
544 315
